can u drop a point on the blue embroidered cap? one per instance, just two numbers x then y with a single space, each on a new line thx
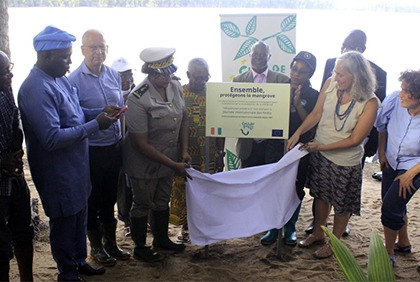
52 38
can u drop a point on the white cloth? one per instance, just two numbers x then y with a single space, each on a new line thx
241 203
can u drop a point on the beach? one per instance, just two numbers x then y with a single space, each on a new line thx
245 259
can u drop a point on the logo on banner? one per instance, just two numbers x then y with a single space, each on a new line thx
241 32
283 41
247 127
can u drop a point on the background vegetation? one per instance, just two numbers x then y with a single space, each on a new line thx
365 5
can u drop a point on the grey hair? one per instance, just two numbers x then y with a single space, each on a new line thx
198 62
364 79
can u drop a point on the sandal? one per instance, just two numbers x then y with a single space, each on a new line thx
324 252
392 259
311 240
399 249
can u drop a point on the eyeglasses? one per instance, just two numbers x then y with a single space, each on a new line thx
297 71
7 70
94 48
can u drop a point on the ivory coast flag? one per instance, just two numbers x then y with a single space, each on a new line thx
216 131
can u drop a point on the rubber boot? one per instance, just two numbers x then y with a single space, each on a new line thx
270 237
24 258
289 228
138 234
96 249
160 221
110 242
4 270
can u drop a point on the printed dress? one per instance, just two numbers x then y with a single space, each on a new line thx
195 104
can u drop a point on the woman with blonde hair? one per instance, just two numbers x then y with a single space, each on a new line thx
345 113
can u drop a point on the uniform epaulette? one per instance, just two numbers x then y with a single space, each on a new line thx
139 92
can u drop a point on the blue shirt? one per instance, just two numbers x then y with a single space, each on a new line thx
403 144
57 145
96 92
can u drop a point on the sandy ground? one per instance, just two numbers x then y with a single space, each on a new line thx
246 259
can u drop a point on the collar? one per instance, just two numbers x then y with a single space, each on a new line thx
254 74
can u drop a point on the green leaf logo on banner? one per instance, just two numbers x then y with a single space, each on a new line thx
233 162
230 29
251 26
286 44
288 23
245 48
283 41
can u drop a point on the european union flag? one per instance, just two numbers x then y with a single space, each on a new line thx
277 132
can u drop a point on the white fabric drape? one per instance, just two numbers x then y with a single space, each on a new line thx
241 203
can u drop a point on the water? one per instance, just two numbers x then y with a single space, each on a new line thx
392 40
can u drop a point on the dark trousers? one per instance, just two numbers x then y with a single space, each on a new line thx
124 198
266 152
394 207
68 243
15 222
105 166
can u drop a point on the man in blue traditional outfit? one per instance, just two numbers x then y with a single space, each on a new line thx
57 146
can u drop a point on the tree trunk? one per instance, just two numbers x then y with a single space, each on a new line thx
4 28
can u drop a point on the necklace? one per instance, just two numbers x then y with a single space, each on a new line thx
344 116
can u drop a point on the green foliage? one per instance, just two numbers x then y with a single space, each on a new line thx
379 265
379 6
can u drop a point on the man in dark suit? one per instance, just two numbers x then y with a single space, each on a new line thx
254 152
356 41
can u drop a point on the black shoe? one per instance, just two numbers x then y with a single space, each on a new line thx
310 229
377 175
146 254
346 231
118 253
78 278
167 244
291 240
88 270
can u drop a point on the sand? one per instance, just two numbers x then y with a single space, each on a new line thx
245 259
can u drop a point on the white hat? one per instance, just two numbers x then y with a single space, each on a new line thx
121 65
159 59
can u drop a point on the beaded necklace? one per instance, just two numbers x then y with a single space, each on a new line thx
344 116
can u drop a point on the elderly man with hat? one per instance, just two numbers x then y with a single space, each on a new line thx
16 230
157 127
124 194
57 145
99 85
303 99
124 68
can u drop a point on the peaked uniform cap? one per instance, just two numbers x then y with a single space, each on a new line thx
52 38
159 59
